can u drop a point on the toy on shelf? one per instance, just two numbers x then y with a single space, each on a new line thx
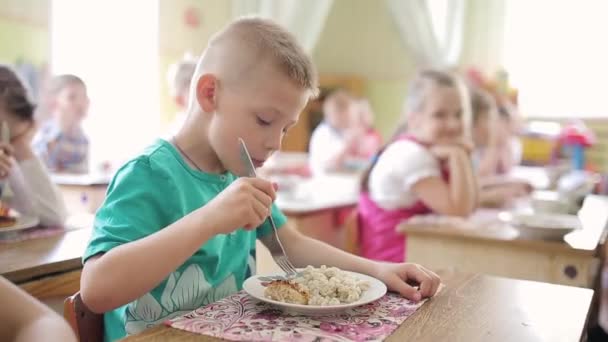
575 137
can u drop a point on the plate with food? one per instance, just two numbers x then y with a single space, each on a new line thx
11 221
316 291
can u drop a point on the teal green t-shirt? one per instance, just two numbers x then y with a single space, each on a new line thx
149 193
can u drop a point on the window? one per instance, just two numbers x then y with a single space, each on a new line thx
113 46
556 56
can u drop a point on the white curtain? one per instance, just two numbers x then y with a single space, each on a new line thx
304 19
484 35
431 29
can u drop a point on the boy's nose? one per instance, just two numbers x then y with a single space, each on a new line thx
274 143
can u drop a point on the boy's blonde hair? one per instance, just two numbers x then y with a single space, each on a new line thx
248 41
179 76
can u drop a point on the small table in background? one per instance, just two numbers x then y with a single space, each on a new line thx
316 205
82 193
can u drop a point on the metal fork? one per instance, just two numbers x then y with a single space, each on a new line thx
271 241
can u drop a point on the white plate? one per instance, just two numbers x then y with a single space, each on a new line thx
544 225
23 222
253 286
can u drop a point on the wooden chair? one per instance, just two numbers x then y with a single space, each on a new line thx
87 325
351 233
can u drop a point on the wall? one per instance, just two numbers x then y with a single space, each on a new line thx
350 44
177 38
24 31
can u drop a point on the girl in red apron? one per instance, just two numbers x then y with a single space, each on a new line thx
424 169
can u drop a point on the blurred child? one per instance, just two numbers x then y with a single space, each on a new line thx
179 77
178 228
424 168
335 141
27 186
25 319
496 151
61 142
371 141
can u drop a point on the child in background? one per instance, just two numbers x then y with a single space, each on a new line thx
335 141
371 141
179 77
25 319
497 149
178 228
425 168
61 142
496 152
31 191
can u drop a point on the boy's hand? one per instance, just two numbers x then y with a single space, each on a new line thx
6 159
245 203
404 277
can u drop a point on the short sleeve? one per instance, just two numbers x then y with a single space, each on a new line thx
133 208
412 162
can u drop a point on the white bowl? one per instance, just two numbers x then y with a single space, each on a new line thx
544 226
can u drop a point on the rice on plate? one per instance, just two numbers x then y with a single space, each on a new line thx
322 286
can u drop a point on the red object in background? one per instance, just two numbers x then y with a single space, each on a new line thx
576 133
192 17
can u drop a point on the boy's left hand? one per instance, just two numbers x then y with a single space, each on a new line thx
403 278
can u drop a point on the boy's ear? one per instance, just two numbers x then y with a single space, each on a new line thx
206 89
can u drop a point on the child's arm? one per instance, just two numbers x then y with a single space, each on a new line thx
489 161
458 197
33 192
130 270
25 319
304 251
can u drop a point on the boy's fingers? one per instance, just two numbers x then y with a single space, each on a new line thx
407 291
264 186
262 197
418 275
260 210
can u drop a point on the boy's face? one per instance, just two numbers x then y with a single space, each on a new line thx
72 103
340 112
440 120
260 111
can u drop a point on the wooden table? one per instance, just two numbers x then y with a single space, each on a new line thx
473 308
46 267
498 249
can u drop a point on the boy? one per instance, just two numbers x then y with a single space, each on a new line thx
334 144
61 142
178 228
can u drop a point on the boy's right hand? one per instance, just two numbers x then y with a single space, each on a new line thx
244 203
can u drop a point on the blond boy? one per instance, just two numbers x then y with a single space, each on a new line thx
178 228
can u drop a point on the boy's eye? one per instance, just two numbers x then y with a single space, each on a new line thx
262 122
